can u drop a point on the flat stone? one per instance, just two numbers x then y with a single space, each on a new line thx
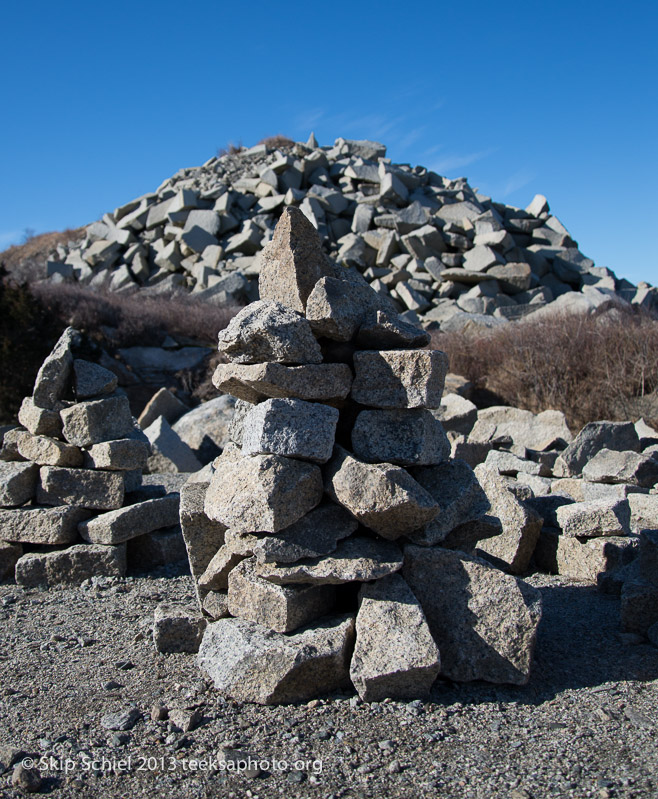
205 429
47 451
399 378
381 496
70 566
169 452
9 555
598 517
277 607
644 511
177 628
122 720
162 403
459 496
537 432
456 413
215 577
92 380
582 560
42 525
483 621
85 488
381 331
39 421
326 382
157 548
395 656
123 454
356 559
53 381
267 331
91 422
507 463
521 525
608 466
512 277
400 436
595 436
120 525
249 663
293 261
264 493
313 536
290 427
215 605
18 483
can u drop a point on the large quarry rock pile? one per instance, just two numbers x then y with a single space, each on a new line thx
72 504
332 542
441 251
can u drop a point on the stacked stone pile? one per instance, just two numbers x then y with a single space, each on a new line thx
332 540
441 251
71 491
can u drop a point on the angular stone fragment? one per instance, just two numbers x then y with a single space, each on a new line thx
538 432
215 604
162 403
582 560
39 421
483 621
314 535
269 331
456 413
124 454
202 536
395 656
381 331
458 494
293 262
508 463
595 436
205 429
336 308
521 524
399 378
47 451
9 555
608 466
252 664
169 453
120 525
404 437
85 488
42 525
598 517
644 511
70 566
91 422
277 607
290 427
326 382
356 559
381 496
227 557
177 628
53 381
261 492
92 380
17 483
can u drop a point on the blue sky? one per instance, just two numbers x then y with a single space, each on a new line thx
102 102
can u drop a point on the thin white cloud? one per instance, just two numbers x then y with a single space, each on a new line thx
308 119
517 181
451 162
412 136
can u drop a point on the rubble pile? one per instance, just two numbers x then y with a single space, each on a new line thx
444 254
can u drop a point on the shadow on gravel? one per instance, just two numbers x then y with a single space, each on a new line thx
578 646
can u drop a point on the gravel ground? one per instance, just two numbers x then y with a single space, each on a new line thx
586 725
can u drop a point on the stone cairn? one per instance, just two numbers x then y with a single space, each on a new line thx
331 542
71 476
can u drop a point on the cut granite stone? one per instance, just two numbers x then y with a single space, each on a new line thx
458 494
539 432
381 496
92 380
483 621
215 605
203 536
53 381
267 331
521 524
205 429
117 526
290 427
85 488
583 560
456 413
355 559
399 378
644 511
313 536
31 525
595 436
249 663
9 555
609 466
326 382
169 453
162 403
261 492
400 436
395 656
216 574
47 451
91 422
336 309
18 483
381 331
39 421
123 454
70 566
177 628
598 517
507 463
277 607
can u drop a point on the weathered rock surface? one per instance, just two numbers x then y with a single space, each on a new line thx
326 382
598 517
70 566
536 432
47 451
53 378
96 490
582 560
177 628
169 453
32 525
203 536
609 466
124 454
91 422
17 483
403 437
39 421
205 429
399 378
117 526
595 436
92 380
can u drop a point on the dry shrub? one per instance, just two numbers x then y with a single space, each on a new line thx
230 149
277 142
26 261
589 367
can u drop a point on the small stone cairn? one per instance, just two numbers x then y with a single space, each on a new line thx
331 543
71 476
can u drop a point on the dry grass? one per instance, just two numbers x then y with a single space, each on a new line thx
602 366
277 142
230 149
26 261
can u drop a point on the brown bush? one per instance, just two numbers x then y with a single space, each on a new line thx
277 142
230 149
603 366
27 261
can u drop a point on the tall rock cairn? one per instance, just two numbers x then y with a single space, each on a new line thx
70 475
329 543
